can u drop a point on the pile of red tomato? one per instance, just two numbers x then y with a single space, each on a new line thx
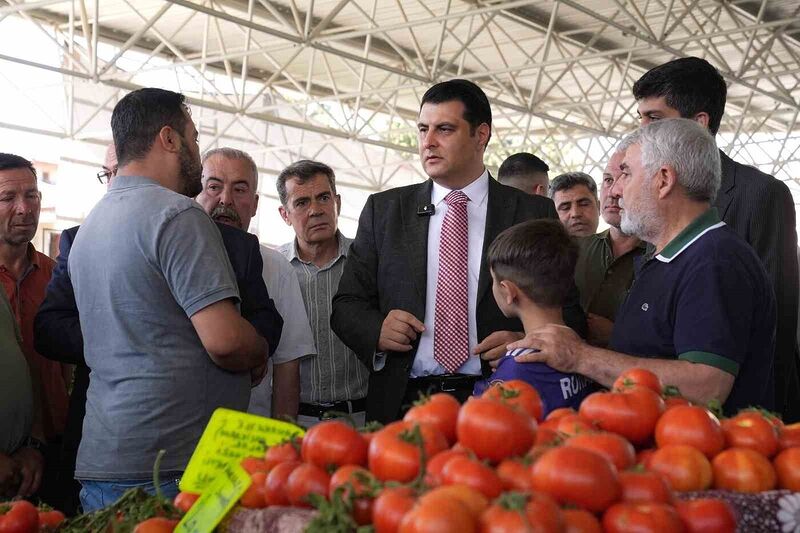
494 465
23 517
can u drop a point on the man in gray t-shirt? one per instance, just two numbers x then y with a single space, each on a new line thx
157 300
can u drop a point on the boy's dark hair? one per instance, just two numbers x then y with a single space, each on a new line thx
302 171
140 115
689 85
539 257
12 161
520 165
477 110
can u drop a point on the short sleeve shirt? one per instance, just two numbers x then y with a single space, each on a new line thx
145 260
706 299
556 389
297 340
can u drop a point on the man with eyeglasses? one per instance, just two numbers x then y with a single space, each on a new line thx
24 274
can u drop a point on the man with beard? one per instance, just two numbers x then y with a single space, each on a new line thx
605 262
24 273
701 314
230 196
575 196
157 301
57 331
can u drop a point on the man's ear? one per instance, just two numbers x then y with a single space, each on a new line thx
703 118
483 131
284 215
338 204
168 139
255 206
666 180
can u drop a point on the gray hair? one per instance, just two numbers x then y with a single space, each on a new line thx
686 146
233 153
569 180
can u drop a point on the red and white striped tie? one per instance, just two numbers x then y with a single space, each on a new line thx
451 334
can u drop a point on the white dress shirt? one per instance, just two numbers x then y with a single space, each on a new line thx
477 191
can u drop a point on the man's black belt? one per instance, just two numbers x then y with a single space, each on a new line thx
443 383
317 410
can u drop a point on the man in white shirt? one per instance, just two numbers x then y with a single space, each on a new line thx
230 196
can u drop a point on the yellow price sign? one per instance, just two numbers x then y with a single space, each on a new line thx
229 437
231 482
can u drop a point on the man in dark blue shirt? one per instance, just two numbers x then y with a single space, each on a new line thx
701 312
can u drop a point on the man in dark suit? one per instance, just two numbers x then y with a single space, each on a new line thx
757 206
415 298
57 330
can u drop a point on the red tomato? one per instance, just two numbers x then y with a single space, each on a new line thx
305 480
610 445
743 470
390 507
280 453
465 471
573 424
393 456
499 519
674 401
520 394
254 464
787 468
253 498
561 412
472 499
691 425
751 429
433 470
547 435
638 376
442 515
706 515
439 410
184 500
632 414
277 479
50 520
580 521
643 456
642 518
333 443
644 487
573 475
515 474
685 468
543 514
21 517
156 525
493 430
789 436
355 480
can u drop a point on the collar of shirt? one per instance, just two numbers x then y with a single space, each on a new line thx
697 228
34 259
477 191
124 182
344 246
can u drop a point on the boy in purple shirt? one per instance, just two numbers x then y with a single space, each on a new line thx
533 267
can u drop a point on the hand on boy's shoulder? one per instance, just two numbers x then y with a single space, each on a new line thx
493 347
557 346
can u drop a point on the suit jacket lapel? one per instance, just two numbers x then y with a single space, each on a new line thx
500 209
416 230
727 184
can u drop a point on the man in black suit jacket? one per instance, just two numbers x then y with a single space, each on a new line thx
380 308
755 205
57 331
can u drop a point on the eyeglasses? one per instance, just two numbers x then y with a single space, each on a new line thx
105 175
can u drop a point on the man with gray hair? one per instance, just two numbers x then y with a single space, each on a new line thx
335 380
701 314
604 271
230 196
575 196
